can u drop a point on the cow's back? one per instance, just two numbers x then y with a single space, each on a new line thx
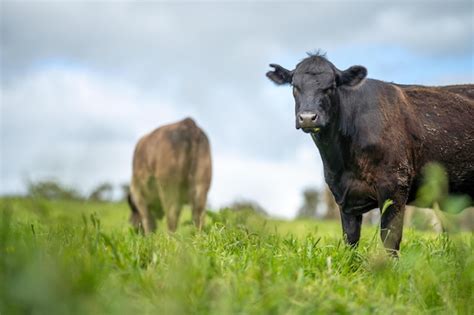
466 90
167 156
446 116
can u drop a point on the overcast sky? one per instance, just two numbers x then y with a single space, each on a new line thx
81 82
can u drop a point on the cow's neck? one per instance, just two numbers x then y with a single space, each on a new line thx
334 147
331 151
331 146
330 143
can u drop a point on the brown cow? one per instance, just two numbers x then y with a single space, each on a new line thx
171 167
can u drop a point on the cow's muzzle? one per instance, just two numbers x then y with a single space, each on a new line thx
308 121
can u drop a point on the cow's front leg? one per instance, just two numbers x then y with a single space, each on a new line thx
391 227
392 195
392 202
351 227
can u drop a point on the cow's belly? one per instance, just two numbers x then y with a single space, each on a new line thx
461 179
359 205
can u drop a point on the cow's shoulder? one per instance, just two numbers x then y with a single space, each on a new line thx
364 112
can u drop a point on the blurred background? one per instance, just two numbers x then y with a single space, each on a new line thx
82 81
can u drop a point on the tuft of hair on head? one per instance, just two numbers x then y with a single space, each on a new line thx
317 53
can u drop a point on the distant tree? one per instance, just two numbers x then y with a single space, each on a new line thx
332 209
52 189
309 209
103 192
247 205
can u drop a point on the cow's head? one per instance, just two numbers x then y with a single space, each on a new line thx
315 83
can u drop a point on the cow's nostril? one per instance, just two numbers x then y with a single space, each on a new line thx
313 118
300 117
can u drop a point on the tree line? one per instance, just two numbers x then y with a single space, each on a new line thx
54 190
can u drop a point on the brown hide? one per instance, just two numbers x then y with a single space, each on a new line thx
171 167
446 116
466 90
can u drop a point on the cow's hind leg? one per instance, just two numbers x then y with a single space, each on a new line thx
172 203
141 215
198 205
147 218
135 218
172 216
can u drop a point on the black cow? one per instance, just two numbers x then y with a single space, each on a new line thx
374 138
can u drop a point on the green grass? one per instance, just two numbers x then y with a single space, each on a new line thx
83 258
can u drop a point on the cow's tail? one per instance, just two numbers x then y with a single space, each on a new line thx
135 218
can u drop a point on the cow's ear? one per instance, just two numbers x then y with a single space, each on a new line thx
280 75
352 76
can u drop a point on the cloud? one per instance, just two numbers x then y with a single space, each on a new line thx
231 37
277 185
75 124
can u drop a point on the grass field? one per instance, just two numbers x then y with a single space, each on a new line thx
83 258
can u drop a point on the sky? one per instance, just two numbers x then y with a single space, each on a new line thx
81 82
